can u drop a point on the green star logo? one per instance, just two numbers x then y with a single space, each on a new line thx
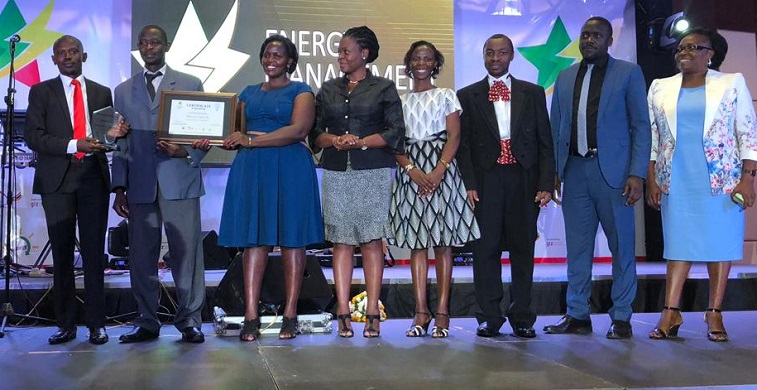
36 38
552 57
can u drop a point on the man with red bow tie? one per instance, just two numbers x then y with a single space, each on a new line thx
508 167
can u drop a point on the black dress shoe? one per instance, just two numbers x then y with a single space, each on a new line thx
569 325
524 331
192 334
98 336
484 330
620 330
62 336
138 335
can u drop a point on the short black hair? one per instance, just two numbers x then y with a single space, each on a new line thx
497 36
67 38
438 57
366 39
603 21
289 46
717 41
162 32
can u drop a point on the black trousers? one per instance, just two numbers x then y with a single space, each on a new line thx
82 196
506 214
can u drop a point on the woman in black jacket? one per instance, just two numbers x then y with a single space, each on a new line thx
360 126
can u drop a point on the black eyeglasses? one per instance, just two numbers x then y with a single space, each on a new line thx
690 48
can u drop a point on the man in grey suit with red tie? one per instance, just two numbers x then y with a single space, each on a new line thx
73 179
158 184
602 135
508 167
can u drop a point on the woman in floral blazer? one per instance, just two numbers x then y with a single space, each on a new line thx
701 173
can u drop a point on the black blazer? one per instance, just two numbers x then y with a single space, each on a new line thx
49 129
373 107
530 133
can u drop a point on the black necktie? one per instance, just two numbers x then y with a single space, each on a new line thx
149 77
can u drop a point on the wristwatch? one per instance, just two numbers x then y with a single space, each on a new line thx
364 147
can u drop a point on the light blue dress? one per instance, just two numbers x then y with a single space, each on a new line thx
697 226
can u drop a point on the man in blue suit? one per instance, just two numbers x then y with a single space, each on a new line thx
602 141
159 184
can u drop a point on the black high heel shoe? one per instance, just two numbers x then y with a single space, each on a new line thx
344 331
250 328
717 336
419 330
289 328
671 332
369 331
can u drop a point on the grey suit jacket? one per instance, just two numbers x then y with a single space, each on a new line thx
624 138
49 129
139 167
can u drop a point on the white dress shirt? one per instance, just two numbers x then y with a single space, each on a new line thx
156 81
502 108
68 89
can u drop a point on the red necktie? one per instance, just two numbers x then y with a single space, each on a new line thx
80 121
499 91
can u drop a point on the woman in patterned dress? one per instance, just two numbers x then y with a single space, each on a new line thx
429 207
701 173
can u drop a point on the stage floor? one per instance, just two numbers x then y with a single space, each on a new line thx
325 361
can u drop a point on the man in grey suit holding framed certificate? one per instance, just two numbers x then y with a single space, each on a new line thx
159 184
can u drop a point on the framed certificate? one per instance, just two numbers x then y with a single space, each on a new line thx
185 117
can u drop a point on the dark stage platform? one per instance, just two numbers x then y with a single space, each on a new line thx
325 361
33 294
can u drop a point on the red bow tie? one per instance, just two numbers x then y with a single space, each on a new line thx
499 91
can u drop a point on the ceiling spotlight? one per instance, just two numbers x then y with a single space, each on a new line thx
672 29
681 25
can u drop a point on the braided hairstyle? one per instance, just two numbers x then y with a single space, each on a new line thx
366 39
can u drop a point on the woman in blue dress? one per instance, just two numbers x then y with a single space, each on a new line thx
704 152
272 194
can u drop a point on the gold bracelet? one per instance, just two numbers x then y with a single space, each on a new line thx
409 167
446 164
249 142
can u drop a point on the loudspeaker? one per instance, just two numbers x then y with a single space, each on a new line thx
315 293
215 257
118 239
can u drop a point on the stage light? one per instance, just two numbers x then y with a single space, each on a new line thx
681 25
672 29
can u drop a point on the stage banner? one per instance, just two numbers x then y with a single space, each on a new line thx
104 28
219 41
545 35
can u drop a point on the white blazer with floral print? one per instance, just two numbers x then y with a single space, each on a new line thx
729 134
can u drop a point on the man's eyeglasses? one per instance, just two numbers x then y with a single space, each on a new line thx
691 48
146 43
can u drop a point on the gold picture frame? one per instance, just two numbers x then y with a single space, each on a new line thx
186 116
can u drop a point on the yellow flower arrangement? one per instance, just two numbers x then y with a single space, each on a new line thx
357 307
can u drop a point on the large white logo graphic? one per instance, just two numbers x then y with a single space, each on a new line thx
212 61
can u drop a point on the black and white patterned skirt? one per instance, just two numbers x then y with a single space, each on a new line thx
443 219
